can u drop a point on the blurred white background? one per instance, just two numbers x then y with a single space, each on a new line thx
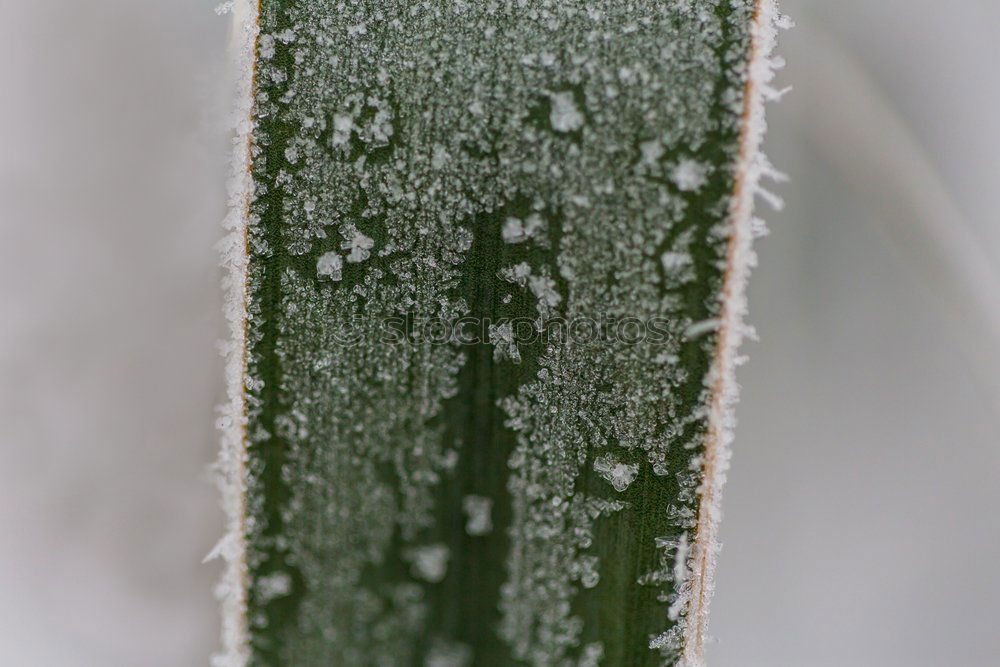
113 157
861 510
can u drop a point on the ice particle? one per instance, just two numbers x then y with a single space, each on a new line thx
689 175
620 475
565 116
330 265
429 562
359 246
478 510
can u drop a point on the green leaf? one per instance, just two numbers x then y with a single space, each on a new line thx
487 270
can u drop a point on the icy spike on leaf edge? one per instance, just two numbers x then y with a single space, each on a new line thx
721 379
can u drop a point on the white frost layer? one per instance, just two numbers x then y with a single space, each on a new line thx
231 466
721 379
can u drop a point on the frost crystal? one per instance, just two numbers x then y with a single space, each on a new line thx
663 640
565 115
342 126
359 246
330 264
587 572
621 475
516 230
274 586
478 510
448 654
544 289
702 327
502 338
672 261
429 563
592 655
517 274
513 231
689 175
651 151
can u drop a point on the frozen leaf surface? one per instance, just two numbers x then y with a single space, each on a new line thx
477 410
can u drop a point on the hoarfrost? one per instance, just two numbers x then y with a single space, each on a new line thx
448 654
673 261
544 289
721 381
513 231
358 245
516 230
342 127
565 115
440 157
273 586
620 475
330 265
478 510
593 653
504 344
232 470
702 327
585 569
689 175
651 151
517 274
429 563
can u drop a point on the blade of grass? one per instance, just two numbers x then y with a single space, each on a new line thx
565 192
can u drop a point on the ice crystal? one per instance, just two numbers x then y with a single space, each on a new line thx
516 230
504 345
620 475
358 245
544 289
448 654
429 563
517 274
342 127
672 261
689 175
478 512
330 264
651 151
565 115
274 586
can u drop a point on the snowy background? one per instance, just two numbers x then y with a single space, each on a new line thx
861 514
